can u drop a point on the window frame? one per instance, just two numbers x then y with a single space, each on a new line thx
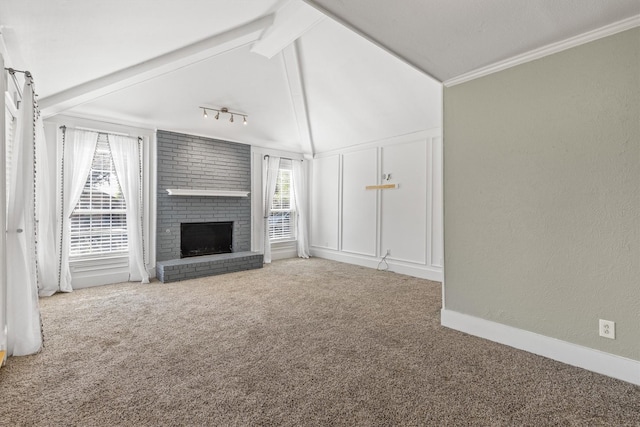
112 254
286 165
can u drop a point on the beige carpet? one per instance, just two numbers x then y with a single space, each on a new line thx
300 342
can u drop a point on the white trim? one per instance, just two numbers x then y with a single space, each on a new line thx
576 355
415 270
428 250
263 151
101 124
550 49
206 193
293 72
384 142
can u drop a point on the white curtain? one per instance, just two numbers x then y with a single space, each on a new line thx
300 197
79 149
126 160
46 214
3 217
24 335
270 180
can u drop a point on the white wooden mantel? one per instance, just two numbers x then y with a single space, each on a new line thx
206 193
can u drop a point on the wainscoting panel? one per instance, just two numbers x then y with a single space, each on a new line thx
404 210
359 206
435 226
407 220
325 202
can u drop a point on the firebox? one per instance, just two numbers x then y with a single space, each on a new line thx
205 238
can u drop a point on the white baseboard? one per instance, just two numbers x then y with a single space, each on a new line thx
415 270
572 354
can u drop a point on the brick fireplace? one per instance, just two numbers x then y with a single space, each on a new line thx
197 163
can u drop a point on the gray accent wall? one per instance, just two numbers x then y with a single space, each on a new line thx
542 195
193 162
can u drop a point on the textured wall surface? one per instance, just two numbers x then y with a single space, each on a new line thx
192 162
542 195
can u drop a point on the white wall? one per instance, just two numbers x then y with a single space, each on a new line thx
355 225
89 272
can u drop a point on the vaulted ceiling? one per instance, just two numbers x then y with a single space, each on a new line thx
448 38
307 82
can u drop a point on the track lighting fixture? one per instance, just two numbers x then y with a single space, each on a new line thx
224 110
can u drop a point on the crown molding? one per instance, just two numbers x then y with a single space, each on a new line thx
608 30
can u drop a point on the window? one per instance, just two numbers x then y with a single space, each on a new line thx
99 221
281 219
10 126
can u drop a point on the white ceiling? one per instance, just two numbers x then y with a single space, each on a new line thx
328 89
448 38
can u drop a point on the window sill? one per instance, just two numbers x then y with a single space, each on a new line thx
97 258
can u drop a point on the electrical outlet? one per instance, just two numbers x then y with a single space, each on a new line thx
608 329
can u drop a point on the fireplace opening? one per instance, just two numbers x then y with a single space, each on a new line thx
205 238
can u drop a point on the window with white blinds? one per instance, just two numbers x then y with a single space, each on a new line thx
10 128
99 222
281 219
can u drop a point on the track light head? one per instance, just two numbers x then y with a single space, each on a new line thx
244 121
217 115
231 119
204 114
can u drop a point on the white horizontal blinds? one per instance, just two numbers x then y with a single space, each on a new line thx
99 221
10 129
281 219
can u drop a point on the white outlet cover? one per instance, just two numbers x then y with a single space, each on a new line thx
607 329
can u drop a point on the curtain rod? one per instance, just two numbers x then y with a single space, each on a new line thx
286 158
13 70
15 79
64 128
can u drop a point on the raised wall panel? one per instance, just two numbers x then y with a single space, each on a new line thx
404 210
436 232
406 220
359 206
325 195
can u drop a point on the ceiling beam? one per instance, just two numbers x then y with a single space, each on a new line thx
155 67
292 20
293 70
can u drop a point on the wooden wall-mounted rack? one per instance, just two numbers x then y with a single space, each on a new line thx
381 187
